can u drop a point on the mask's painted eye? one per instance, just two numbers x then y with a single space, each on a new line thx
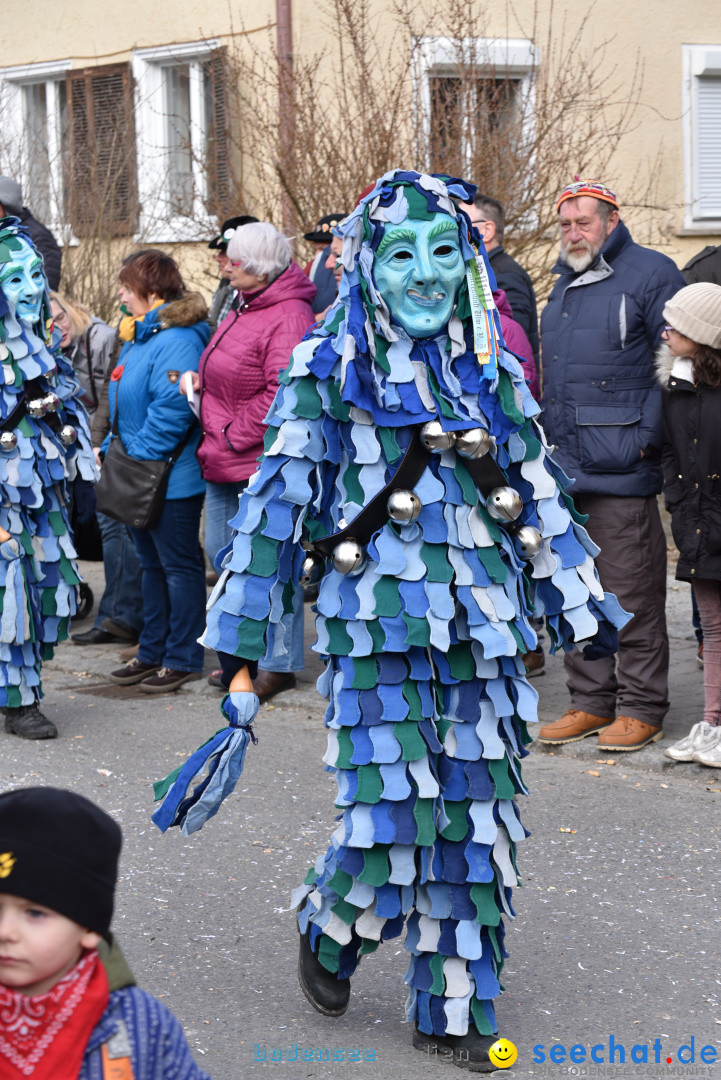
403 255
443 249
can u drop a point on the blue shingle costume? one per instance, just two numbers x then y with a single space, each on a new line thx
424 646
38 454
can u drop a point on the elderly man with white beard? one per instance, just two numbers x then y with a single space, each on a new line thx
602 410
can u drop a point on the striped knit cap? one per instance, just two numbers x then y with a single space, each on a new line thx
594 188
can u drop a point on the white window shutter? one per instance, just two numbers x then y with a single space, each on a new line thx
708 147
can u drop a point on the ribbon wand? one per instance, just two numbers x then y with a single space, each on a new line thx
222 756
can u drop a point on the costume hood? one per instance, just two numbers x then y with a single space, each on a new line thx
395 379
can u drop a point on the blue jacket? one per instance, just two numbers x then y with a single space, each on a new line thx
137 1026
601 401
153 416
151 1036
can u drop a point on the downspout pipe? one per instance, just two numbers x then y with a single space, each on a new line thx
286 113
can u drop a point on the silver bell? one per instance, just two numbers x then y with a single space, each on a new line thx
51 402
348 557
527 541
504 504
473 443
8 441
37 408
68 434
435 438
311 570
404 506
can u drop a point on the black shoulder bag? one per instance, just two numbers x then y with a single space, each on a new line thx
131 490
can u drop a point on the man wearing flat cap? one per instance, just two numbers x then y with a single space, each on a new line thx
224 295
317 269
602 409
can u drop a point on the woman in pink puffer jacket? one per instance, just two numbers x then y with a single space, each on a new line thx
236 382
517 342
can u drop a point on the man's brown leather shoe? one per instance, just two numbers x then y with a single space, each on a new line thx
573 726
628 733
269 683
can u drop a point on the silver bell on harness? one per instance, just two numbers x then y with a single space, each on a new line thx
348 557
404 506
68 434
527 541
473 443
37 408
435 438
51 402
8 441
504 504
311 570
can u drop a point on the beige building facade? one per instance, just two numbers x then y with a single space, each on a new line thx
132 104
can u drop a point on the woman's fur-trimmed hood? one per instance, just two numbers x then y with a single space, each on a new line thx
187 311
664 364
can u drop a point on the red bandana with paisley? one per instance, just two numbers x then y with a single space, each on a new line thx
44 1037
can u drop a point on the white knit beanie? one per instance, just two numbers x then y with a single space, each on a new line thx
696 313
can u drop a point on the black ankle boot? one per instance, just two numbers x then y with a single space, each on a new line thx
468 1051
29 723
326 993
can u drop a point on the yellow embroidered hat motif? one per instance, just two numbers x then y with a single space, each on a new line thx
7 861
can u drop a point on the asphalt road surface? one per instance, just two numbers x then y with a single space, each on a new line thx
617 934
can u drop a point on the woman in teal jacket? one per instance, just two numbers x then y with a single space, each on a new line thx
165 333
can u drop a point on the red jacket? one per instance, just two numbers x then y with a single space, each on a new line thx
239 374
516 342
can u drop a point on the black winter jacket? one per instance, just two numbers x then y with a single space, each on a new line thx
706 266
691 460
517 285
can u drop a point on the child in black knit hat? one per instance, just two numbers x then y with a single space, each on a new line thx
69 1007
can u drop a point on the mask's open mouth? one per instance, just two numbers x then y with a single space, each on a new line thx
426 300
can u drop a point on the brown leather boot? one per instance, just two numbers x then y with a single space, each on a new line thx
574 725
628 733
269 683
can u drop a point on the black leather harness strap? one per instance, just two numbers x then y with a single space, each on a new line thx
485 472
373 516
32 390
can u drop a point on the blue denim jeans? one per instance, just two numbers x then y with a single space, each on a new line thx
221 505
122 599
173 587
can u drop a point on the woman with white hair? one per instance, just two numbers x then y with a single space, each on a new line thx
236 381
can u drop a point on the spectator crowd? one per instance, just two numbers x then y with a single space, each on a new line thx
615 409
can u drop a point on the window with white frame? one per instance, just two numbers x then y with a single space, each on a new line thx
33 136
179 96
470 91
702 136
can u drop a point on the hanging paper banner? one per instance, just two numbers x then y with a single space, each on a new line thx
485 338
481 344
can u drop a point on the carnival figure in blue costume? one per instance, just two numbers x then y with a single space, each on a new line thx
405 472
44 442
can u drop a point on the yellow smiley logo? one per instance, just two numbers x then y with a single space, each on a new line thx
503 1053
